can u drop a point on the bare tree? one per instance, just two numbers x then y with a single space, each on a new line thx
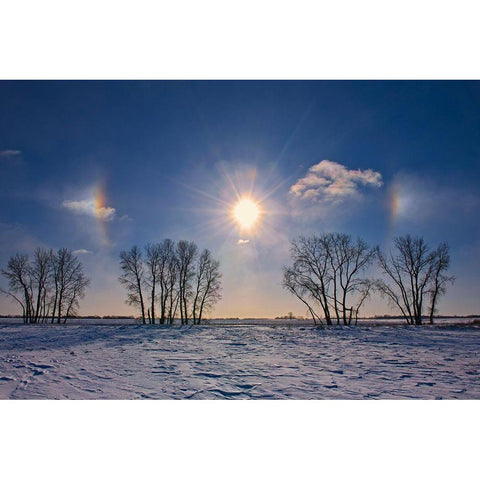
167 279
364 288
42 269
347 260
186 254
207 285
154 270
131 263
175 279
440 279
326 272
412 271
298 285
172 294
18 274
70 284
74 292
310 277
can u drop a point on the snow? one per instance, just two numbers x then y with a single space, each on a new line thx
238 361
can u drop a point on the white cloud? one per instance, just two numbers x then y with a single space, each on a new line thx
332 182
81 251
242 241
88 207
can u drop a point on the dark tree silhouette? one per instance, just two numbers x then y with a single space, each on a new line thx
440 279
412 271
48 287
186 256
154 267
171 280
326 272
303 288
70 284
42 270
207 285
18 274
347 260
131 263
364 288
309 278
167 280
177 279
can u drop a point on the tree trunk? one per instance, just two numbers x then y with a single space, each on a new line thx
142 305
432 307
153 303
54 309
59 314
344 308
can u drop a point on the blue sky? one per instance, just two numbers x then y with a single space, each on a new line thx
100 166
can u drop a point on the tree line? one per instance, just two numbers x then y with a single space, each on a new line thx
328 276
47 287
175 277
169 280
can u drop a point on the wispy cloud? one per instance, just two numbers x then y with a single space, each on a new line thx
242 241
332 182
82 251
89 207
10 154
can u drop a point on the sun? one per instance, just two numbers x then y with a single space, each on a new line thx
246 213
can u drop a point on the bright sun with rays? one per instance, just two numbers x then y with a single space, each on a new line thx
246 213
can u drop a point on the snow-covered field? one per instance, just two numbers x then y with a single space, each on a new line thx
238 362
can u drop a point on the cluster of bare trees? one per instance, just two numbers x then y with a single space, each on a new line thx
415 277
48 287
328 276
172 276
168 280
326 272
